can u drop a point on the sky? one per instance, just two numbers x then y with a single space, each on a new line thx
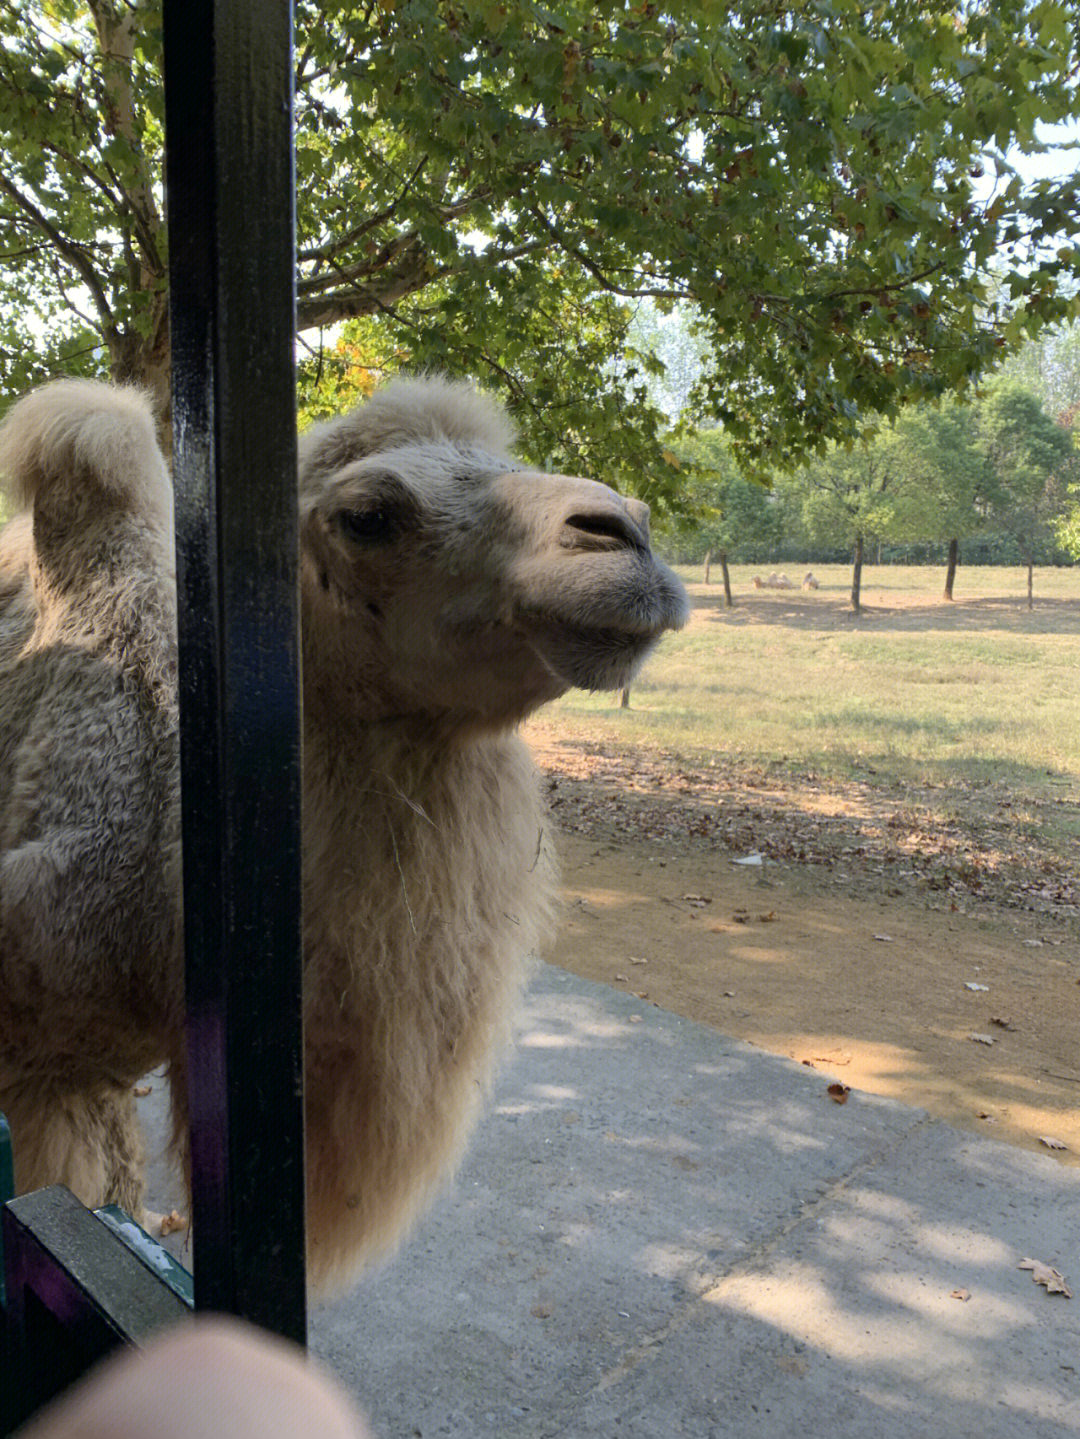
1055 164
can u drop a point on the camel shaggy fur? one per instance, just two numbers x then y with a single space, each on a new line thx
446 592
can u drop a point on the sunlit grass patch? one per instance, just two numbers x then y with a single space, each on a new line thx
979 692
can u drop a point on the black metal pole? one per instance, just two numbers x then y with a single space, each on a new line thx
230 202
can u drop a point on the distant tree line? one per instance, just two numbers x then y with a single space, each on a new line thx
995 480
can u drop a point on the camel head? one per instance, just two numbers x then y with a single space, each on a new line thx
441 577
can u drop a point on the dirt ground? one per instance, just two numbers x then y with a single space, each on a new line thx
867 937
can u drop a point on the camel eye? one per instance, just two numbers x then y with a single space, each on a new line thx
374 526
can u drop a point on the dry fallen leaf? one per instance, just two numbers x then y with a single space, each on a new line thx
838 1092
792 1364
1002 1023
621 979
173 1222
541 1311
638 961
767 918
1043 1274
634 1019
1052 1143
698 899
884 938
977 988
982 1038
962 1294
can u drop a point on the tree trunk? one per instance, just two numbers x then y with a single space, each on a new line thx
856 576
728 601
135 360
708 565
624 699
950 568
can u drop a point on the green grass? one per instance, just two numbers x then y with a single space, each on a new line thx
915 691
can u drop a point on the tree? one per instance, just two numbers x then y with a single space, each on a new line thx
943 480
725 510
848 497
1049 367
1068 527
498 186
672 353
1032 460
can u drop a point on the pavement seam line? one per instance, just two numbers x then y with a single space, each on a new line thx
695 1305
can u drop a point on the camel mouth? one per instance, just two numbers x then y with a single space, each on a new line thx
604 650
589 658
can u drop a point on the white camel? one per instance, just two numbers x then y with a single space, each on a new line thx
446 592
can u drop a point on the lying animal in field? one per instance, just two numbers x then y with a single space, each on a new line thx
446 592
810 581
774 582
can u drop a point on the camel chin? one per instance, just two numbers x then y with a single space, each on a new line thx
589 659
605 653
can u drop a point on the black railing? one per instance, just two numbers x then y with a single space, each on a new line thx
229 182
75 1289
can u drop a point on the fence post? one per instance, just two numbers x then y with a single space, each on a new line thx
230 202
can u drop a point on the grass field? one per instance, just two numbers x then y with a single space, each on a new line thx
981 694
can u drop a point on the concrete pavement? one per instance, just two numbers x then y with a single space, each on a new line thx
660 1231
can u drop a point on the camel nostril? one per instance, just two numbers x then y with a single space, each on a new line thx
587 527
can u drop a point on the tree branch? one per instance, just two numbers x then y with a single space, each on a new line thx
87 171
393 252
656 292
349 304
116 37
335 247
71 252
882 289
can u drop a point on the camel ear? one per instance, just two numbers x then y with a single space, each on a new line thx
419 411
325 449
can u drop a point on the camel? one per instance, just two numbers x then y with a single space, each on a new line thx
774 582
447 591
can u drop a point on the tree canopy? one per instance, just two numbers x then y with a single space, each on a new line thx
723 507
1031 460
496 187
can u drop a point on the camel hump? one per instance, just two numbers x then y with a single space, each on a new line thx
71 438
